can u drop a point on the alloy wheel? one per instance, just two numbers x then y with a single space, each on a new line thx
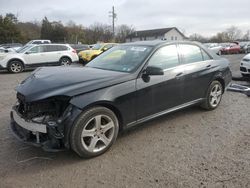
16 67
215 95
65 62
98 133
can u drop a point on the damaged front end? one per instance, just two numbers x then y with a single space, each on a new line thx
43 123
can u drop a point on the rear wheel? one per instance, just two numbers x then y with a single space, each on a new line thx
213 96
15 66
94 132
65 61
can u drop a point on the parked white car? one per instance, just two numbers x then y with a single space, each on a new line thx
245 65
215 47
38 55
39 42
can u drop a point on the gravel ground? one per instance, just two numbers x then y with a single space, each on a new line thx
188 148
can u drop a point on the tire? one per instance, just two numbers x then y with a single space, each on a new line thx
15 66
213 96
65 61
89 138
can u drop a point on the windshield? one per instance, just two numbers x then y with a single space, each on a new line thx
23 49
125 58
96 47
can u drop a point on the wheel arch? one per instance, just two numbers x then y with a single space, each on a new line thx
110 106
15 59
65 56
221 80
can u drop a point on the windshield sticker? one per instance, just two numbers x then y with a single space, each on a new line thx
139 49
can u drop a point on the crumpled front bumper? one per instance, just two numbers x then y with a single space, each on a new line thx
39 135
51 137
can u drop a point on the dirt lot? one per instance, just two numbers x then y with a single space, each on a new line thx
189 148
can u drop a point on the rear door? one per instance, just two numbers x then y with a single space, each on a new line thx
52 53
198 66
162 92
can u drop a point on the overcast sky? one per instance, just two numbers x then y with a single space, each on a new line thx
206 17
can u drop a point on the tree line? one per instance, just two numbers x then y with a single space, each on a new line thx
231 34
12 30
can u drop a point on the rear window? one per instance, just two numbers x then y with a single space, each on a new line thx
191 53
54 48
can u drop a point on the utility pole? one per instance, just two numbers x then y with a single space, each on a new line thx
113 15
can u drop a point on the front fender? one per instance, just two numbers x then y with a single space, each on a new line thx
121 97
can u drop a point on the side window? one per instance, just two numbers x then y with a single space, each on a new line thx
190 53
205 55
51 48
35 49
62 48
166 57
36 42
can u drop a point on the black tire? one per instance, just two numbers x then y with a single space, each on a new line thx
64 61
208 103
87 124
15 66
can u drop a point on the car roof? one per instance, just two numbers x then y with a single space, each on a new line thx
155 43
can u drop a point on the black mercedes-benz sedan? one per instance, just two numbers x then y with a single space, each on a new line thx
84 108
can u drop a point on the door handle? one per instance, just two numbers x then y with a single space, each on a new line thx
178 75
208 66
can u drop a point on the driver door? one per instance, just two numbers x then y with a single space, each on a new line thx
162 92
33 56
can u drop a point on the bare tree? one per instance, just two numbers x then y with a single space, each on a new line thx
246 36
122 31
197 37
233 33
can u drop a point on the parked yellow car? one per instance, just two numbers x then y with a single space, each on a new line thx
97 49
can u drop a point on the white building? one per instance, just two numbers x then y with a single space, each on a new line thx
169 34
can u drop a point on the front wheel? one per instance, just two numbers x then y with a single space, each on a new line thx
94 132
213 96
15 66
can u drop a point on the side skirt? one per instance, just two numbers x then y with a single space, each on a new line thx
164 112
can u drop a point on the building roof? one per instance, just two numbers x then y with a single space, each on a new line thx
153 32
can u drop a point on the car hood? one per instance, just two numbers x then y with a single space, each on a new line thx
67 81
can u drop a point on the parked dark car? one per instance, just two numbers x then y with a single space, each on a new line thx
84 108
80 47
245 47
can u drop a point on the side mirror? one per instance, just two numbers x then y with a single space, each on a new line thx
151 70
27 53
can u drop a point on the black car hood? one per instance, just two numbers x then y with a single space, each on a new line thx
67 81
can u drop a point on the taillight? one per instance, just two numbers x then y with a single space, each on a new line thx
74 51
